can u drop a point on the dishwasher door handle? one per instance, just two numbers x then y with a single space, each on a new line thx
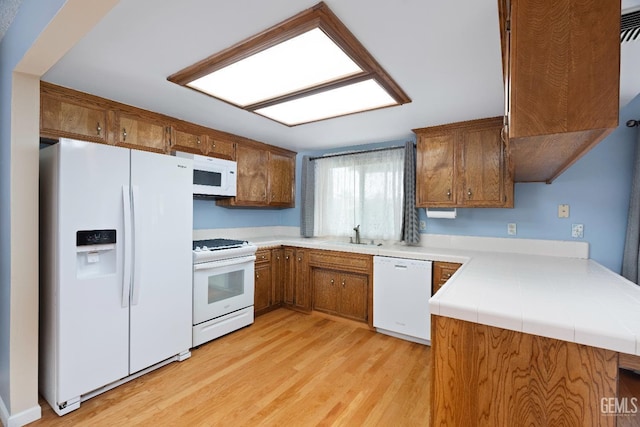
400 266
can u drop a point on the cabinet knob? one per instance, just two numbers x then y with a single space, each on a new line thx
124 134
332 281
469 193
287 257
213 145
343 283
448 275
198 141
99 129
257 276
263 257
299 259
449 194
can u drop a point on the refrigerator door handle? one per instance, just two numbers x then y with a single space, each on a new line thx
137 245
126 274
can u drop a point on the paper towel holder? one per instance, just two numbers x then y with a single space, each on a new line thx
441 213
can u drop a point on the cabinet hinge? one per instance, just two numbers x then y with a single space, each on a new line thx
507 26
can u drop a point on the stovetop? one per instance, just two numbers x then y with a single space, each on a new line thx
221 249
217 244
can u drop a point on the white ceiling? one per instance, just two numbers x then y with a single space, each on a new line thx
444 54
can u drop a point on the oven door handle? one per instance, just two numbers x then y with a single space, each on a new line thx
224 263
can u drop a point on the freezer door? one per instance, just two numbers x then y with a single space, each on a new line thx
162 268
92 326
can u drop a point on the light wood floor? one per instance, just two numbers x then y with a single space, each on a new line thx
287 369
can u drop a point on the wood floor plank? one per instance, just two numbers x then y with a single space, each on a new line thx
288 368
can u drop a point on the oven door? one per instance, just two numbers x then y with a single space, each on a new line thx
221 287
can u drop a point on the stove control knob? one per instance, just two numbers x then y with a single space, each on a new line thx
197 249
204 248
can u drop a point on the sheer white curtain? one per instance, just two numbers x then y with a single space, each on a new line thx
363 189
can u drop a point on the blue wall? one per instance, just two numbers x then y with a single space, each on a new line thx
596 188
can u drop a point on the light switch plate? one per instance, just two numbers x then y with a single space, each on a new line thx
423 225
512 229
563 211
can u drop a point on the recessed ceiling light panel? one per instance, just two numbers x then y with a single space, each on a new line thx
299 63
354 98
305 69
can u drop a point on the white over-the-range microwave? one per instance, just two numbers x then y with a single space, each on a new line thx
212 177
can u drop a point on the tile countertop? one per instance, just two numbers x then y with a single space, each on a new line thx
566 297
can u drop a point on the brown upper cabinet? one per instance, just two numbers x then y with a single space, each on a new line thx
266 177
221 146
561 63
282 170
188 138
143 131
70 115
266 174
463 164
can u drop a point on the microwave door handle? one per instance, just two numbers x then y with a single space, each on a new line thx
224 262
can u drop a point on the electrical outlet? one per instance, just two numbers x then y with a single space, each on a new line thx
423 225
577 231
511 229
563 211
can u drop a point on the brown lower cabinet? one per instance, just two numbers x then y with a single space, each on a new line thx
296 280
488 376
268 280
339 293
442 271
336 283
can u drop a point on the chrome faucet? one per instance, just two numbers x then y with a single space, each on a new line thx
357 230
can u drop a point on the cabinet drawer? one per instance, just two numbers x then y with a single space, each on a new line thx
263 255
343 261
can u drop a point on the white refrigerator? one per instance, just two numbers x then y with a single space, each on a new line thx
115 267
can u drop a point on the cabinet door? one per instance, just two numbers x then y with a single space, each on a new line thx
223 148
252 176
188 140
353 296
277 264
564 59
482 167
59 117
325 290
302 296
442 271
263 289
281 180
289 276
435 163
142 133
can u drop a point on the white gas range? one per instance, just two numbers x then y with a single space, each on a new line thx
223 287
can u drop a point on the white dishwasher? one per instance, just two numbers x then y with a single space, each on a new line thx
401 292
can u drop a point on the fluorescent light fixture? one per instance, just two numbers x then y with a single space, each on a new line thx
354 98
307 68
293 65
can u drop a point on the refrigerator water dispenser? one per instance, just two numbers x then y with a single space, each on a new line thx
95 253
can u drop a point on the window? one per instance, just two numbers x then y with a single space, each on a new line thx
305 69
365 189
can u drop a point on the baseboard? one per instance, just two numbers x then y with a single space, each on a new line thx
19 419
